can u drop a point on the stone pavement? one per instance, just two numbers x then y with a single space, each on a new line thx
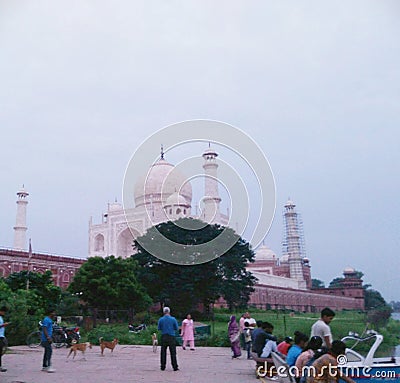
127 364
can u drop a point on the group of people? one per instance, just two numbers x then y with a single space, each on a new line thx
319 350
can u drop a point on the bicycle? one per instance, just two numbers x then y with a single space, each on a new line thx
34 339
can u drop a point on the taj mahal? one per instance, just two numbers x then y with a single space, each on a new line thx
164 194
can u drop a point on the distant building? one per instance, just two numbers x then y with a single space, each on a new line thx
63 268
20 258
283 282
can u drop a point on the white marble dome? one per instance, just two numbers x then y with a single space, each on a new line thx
176 199
264 253
284 258
161 181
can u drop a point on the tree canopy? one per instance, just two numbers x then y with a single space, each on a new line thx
187 287
110 283
41 284
317 284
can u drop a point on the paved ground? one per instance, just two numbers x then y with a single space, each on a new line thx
127 364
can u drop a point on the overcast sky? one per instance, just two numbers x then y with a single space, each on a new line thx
316 84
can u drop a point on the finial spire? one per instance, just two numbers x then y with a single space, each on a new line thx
162 152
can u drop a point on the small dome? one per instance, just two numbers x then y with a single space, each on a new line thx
264 253
284 258
348 270
162 180
176 199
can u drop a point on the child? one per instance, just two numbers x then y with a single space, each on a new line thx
247 338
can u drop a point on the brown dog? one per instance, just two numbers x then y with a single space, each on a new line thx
110 345
79 347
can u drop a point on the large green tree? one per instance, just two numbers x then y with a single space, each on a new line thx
110 283
42 284
187 287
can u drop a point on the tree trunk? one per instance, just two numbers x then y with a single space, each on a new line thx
94 317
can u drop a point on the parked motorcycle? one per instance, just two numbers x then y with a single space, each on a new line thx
136 329
62 336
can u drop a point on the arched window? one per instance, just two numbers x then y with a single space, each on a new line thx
125 244
99 242
178 211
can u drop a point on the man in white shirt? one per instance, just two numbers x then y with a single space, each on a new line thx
321 327
252 321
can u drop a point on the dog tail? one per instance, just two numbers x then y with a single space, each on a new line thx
101 339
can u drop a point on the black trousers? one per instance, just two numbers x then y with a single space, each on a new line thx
2 344
168 341
47 353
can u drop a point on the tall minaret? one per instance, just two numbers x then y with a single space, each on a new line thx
211 212
292 241
20 227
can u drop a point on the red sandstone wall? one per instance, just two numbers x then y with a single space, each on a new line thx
62 268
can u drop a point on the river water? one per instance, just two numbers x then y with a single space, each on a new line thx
397 317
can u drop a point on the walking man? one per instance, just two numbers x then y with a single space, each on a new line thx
47 340
2 335
168 326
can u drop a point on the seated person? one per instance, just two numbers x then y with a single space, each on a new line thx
300 342
284 346
313 345
261 338
270 344
256 331
324 373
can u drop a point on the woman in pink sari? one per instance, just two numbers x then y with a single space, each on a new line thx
234 337
188 332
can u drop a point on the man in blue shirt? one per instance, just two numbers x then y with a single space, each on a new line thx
168 327
2 335
46 338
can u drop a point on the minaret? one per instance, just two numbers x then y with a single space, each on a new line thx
20 227
292 241
211 213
